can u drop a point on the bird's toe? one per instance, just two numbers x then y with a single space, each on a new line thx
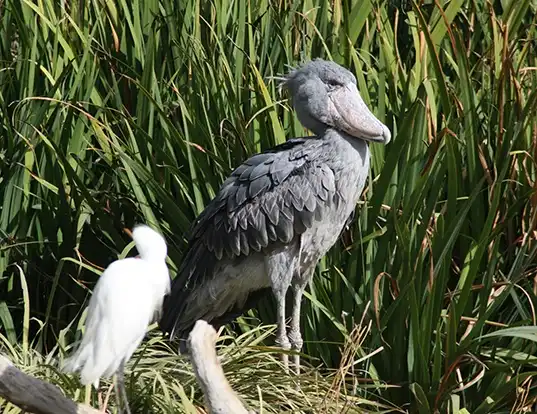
295 339
283 342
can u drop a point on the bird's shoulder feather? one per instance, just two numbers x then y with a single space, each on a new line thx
269 199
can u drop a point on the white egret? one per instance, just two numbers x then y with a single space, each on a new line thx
126 299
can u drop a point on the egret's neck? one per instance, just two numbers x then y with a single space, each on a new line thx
159 275
155 258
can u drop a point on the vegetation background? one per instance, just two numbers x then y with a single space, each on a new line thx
116 112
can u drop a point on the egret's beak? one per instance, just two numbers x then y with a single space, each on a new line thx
352 116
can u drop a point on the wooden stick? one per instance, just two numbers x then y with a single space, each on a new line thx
36 396
219 396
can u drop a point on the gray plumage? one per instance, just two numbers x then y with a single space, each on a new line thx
280 211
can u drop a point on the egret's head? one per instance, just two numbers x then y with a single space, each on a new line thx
150 244
324 95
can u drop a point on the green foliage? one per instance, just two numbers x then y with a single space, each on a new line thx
115 112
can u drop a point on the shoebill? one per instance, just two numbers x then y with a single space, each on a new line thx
280 211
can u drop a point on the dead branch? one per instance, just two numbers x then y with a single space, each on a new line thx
34 395
219 396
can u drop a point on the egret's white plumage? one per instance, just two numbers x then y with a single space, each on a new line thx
126 299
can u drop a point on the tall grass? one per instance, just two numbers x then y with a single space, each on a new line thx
115 112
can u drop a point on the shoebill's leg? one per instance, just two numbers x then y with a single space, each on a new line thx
122 392
280 268
281 332
295 337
